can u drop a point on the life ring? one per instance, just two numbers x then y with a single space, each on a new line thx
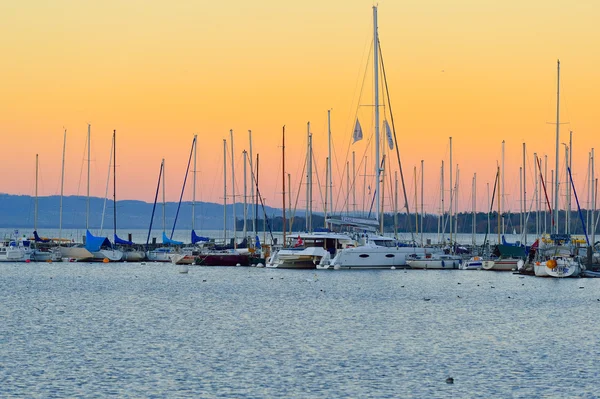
551 264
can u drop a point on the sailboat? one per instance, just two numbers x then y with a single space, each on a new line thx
100 247
164 253
69 251
375 251
130 253
42 249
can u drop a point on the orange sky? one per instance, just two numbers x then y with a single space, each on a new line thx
158 72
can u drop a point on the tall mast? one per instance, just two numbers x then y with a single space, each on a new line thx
107 185
87 203
283 182
474 222
35 213
310 183
233 189
456 203
354 183
451 192
396 205
536 194
416 203
594 194
557 141
443 210
502 205
289 177
498 201
326 191
422 198
225 191
328 180
62 184
252 188
164 203
307 174
376 100
245 154
194 185
568 186
115 184
524 195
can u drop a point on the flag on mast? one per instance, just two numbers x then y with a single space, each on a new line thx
388 132
357 135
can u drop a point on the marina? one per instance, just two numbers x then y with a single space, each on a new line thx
252 203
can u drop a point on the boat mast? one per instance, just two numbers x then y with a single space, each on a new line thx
396 205
502 205
289 176
594 194
233 190
62 184
283 182
498 201
416 202
245 156
35 213
557 141
537 197
328 180
114 144
474 223
164 204
347 187
225 191
87 204
443 210
252 188
568 186
456 203
353 183
376 104
307 171
451 192
107 185
524 228
310 182
194 185
422 198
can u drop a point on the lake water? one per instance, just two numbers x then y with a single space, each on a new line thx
132 330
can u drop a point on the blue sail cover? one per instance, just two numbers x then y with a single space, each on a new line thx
37 237
257 243
196 238
93 243
167 240
121 241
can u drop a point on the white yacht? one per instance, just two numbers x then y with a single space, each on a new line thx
375 252
308 250
14 251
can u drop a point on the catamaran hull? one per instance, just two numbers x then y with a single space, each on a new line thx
365 257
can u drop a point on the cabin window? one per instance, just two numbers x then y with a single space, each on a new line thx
389 255
363 255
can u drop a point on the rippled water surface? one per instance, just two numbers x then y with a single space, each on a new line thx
133 330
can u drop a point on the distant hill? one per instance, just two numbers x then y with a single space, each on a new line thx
17 211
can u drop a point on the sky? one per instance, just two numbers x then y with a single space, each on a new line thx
159 72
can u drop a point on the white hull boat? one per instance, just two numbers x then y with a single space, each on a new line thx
75 253
558 267
113 255
439 262
475 263
308 251
371 256
505 265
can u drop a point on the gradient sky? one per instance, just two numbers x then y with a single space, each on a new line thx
158 72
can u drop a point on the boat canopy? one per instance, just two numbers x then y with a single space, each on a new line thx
38 238
121 241
196 238
93 243
167 240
